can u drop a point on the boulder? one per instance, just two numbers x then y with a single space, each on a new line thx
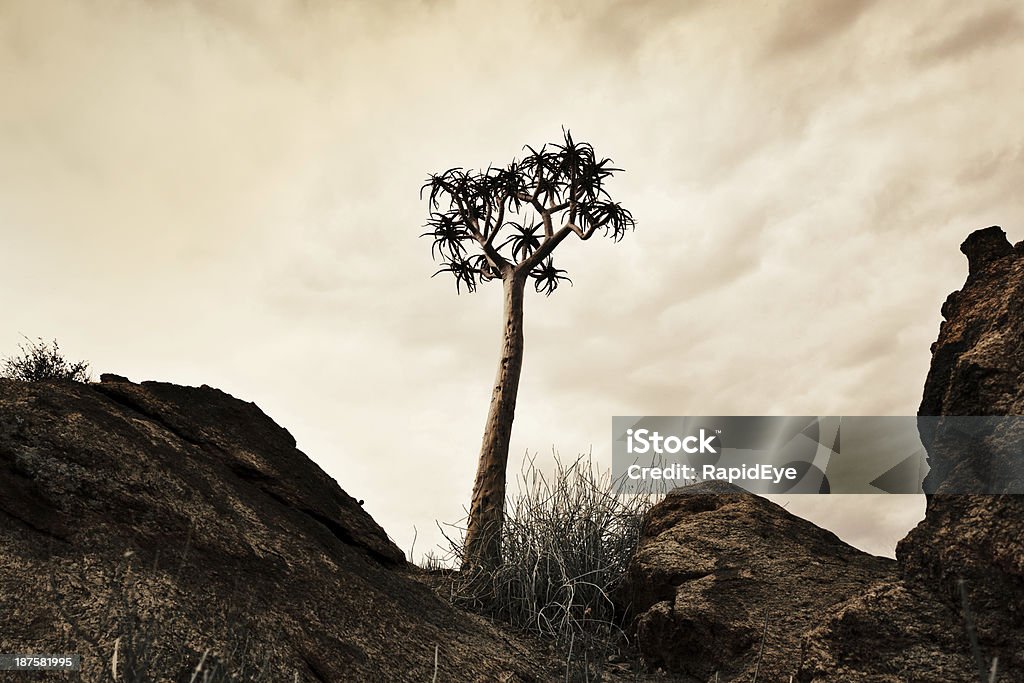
719 570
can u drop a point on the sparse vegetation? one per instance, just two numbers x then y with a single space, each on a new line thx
567 541
140 646
40 361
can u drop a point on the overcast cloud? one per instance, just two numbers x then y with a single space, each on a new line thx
226 192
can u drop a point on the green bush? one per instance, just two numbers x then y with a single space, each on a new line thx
40 361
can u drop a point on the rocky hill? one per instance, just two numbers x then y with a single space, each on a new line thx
172 519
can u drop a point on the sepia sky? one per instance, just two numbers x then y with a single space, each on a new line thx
226 192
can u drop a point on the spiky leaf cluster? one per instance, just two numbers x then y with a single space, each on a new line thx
546 277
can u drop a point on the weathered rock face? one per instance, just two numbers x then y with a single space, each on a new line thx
186 519
891 633
916 629
714 561
977 369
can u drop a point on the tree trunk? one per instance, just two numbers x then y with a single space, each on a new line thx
487 512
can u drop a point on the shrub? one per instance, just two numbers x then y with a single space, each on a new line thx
566 543
40 361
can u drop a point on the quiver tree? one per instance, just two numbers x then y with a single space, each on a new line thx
504 224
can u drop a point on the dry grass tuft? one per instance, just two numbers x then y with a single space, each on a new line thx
567 541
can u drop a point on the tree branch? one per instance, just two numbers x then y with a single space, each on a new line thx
545 249
586 234
572 195
540 182
488 226
468 220
549 244
549 228
538 206
497 225
494 257
485 242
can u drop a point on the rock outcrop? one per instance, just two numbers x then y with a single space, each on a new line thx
719 570
977 369
969 549
712 562
168 520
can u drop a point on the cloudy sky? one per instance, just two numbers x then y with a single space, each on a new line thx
226 192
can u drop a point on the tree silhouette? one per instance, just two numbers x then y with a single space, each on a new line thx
503 224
